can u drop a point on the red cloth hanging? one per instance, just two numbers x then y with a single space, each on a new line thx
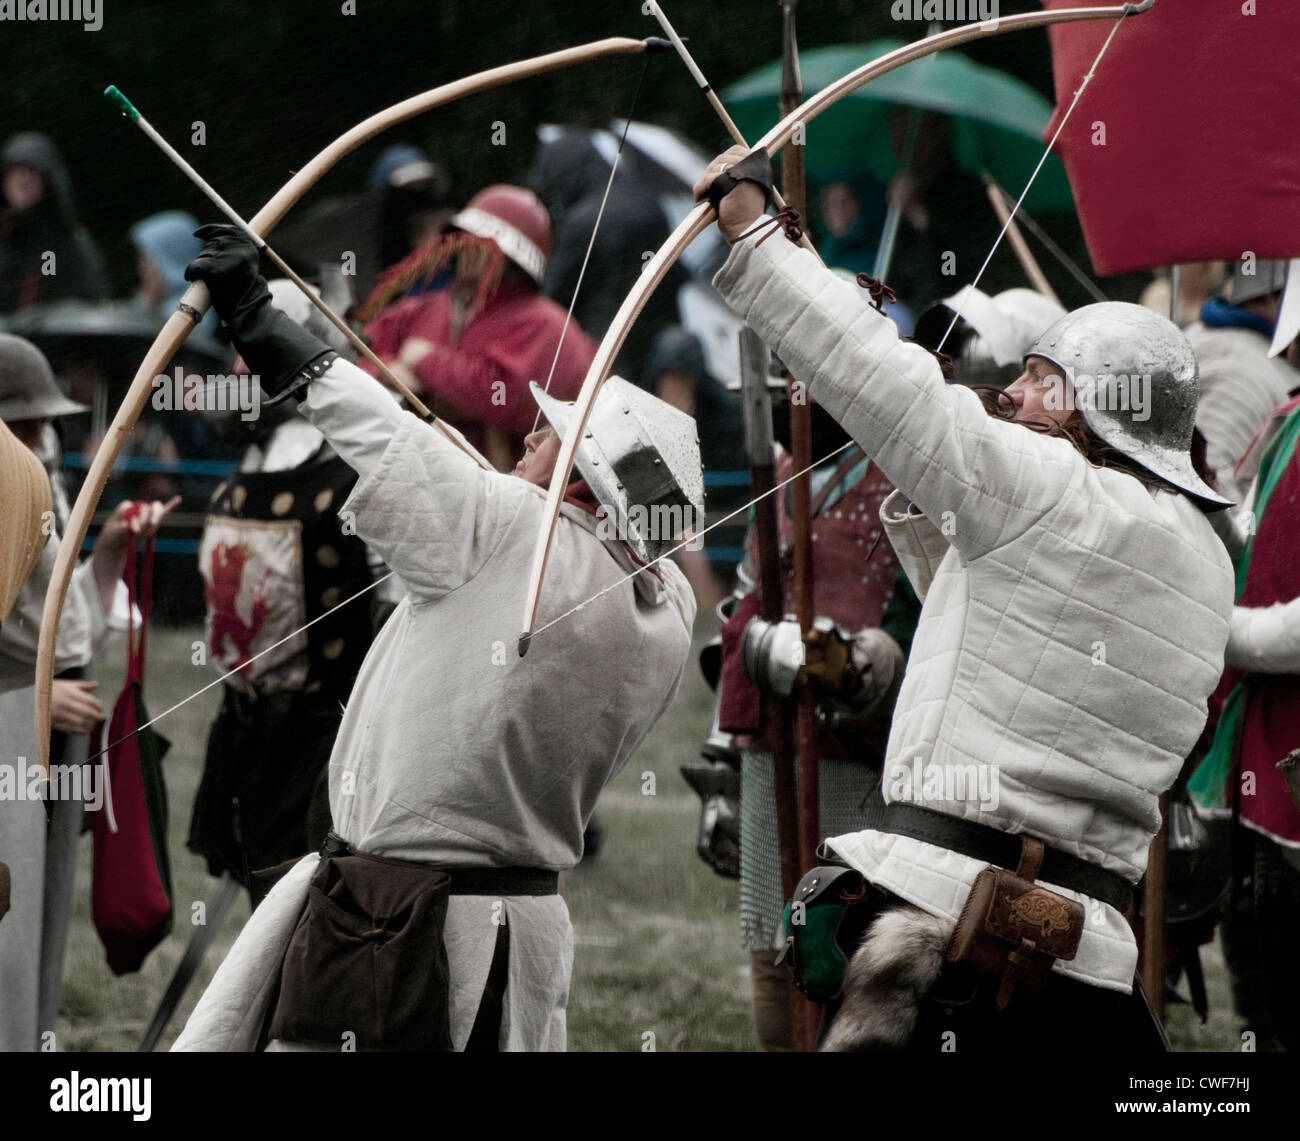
131 888
1182 147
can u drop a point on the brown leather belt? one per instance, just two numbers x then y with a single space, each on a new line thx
993 846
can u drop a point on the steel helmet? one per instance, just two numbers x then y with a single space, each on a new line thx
1132 374
28 390
516 220
641 458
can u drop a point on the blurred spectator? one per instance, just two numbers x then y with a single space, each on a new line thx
415 203
571 177
852 208
474 346
41 852
165 244
45 253
406 203
947 226
1198 281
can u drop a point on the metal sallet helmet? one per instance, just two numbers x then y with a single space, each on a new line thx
641 458
1134 379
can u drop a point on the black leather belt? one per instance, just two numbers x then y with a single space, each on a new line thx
473 881
993 846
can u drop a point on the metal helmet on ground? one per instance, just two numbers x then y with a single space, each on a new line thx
988 345
516 220
641 458
1133 377
28 390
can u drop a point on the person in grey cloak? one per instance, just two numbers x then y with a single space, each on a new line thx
46 254
455 753
39 833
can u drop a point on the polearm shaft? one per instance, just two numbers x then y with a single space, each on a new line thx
806 743
123 104
1033 271
782 726
792 183
1063 259
756 415
651 8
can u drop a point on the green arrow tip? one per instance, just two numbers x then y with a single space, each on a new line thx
121 102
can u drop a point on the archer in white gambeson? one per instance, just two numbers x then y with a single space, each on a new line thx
1075 613
455 752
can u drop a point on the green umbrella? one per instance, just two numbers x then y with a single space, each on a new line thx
997 121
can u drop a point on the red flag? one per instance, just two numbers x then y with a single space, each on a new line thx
1183 147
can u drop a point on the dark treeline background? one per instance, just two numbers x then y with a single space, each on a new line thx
274 81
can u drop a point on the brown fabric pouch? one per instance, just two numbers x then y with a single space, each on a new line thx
367 958
1011 928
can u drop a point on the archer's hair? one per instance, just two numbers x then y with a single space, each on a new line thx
1075 429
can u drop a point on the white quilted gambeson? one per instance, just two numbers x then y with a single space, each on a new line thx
1072 632
453 750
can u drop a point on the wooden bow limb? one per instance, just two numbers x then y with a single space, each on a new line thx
179 325
130 112
698 220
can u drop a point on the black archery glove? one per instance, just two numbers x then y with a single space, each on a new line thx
285 357
755 167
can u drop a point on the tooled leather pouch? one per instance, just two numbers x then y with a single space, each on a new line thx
1012 928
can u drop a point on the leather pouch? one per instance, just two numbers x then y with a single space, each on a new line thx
823 924
367 958
1012 928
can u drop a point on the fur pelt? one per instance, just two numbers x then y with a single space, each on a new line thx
900 959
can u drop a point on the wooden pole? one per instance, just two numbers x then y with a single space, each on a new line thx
1033 271
756 410
794 189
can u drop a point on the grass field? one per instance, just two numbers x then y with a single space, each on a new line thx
657 933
